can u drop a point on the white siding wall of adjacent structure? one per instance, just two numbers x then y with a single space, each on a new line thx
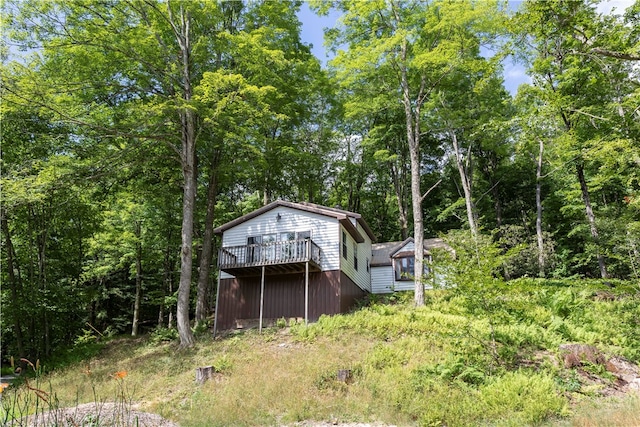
324 232
410 246
383 277
383 281
361 276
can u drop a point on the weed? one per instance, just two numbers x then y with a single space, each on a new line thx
162 334
30 404
568 382
222 364
455 362
523 397
281 323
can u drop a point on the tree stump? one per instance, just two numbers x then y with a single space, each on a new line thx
203 374
344 375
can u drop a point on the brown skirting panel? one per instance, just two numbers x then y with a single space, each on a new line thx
349 294
330 292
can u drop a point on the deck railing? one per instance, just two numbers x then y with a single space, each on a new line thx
285 252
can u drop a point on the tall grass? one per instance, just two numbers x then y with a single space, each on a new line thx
448 363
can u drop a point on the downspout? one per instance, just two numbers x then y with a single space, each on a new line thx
261 299
306 283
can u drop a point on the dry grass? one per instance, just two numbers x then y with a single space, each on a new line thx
410 367
274 379
264 380
623 412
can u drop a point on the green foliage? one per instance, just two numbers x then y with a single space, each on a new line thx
92 127
527 397
162 334
222 364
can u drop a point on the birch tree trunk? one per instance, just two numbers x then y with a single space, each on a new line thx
412 116
591 218
466 184
188 158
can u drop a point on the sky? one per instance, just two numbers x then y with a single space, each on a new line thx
514 74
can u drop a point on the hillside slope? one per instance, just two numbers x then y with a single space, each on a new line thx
454 362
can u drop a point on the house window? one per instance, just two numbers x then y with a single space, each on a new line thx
288 247
405 267
253 248
301 249
344 245
269 242
355 256
367 265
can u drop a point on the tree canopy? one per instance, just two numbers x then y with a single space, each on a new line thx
131 128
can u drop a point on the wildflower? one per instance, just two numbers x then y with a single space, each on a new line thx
120 375
3 386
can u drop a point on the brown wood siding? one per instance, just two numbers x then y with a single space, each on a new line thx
349 293
330 292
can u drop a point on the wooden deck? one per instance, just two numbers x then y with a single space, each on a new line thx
290 256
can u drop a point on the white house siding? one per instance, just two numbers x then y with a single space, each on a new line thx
382 279
324 232
360 277
410 246
402 285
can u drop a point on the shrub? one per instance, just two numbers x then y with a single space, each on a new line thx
162 334
521 397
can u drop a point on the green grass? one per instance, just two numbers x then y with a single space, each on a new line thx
450 363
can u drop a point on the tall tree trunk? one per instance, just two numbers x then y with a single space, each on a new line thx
591 218
14 285
170 316
412 116
207 242
41 240
188 158
466 184
398 187
497 204
541 260
186 256
138 299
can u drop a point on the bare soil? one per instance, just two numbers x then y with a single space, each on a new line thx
90 414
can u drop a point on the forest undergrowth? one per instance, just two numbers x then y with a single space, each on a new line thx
455 362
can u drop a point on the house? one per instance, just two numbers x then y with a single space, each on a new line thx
302 260
392 266
291 260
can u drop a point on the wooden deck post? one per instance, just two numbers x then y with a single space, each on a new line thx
306 284
261 299
215 318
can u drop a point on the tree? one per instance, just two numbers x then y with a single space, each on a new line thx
139 65
579 76
401 52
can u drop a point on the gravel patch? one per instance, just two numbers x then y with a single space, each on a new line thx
90 414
